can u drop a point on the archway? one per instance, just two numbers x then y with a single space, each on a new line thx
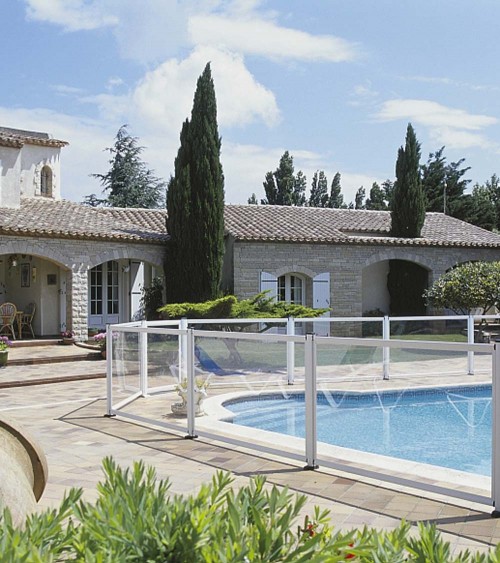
406 283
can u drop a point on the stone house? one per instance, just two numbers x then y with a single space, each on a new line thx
82 267
85 267
339 258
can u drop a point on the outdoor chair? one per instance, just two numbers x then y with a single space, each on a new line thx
27 319
8 313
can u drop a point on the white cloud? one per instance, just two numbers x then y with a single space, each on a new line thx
164 96
72 15
255 35
433 114
452 127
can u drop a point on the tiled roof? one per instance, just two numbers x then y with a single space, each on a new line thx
17 138
48 218
44 217
347 226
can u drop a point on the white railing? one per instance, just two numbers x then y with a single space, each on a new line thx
187 370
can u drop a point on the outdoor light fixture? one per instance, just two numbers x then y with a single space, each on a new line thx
125 269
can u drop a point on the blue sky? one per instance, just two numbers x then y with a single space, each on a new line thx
335 82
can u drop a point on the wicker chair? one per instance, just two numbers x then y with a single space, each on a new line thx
27 319
8 313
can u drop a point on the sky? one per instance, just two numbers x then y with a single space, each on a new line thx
334 82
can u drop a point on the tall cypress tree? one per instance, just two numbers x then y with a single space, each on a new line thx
195 204
408 203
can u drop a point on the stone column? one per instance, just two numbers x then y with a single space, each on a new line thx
78 310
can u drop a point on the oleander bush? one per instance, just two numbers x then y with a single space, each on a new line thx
136 519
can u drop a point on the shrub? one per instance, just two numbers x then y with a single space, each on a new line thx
136 519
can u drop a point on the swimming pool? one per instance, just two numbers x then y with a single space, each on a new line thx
449 427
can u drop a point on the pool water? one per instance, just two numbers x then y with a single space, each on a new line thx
449 427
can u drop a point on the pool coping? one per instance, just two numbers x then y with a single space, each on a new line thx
425 475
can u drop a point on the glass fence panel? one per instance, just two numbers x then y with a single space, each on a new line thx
435 361
125 365
248 393
414 422
163 359
337 361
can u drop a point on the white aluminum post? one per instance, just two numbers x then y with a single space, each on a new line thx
495 445
191 384
143 360
386 352
290 351
109 372
470 340
183 325
310 400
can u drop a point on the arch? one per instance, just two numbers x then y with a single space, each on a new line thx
46 181
126 253
400 254
295 270
35 248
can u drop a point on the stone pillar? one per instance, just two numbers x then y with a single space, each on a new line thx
78 310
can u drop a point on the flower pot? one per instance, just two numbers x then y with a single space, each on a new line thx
4 356
103 354
180 409
68 341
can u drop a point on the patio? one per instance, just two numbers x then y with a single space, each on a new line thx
67 418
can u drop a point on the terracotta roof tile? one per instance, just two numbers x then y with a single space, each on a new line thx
348 226
46 217
17 138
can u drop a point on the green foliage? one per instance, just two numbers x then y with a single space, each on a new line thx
474 285
319 190
336 198
195 204
152 299
44 537
377 197
229 307
136 519
283 187
359 199
129 182
408 204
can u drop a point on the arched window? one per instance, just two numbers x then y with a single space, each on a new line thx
46 181
291 289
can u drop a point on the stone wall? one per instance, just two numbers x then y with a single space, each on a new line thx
344 262
77 257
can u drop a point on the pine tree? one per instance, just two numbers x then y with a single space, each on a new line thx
359 198
336 199
282 187
252 200
129 181
195 204
408 204
376 200
319 190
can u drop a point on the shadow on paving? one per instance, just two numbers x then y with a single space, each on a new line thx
456 520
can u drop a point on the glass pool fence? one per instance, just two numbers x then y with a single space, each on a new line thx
372 400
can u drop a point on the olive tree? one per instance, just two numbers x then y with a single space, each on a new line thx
474 285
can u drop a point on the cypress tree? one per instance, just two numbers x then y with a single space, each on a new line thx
195 204
408 203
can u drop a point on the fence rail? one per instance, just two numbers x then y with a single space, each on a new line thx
184 352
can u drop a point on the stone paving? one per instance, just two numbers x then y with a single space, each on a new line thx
67 418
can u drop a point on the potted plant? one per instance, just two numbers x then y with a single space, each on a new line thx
200 393
68 337
5 344
100 340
